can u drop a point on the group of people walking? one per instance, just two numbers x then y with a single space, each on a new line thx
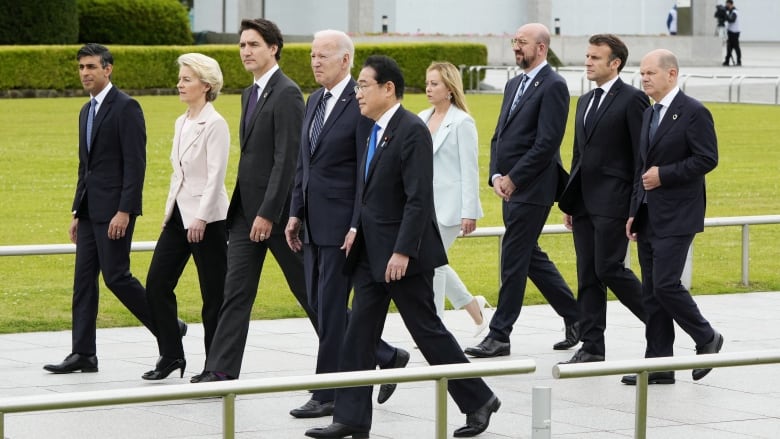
351 191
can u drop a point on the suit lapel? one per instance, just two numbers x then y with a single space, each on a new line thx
264 93
607 101
383 143
105 108
530 89
670 118
341 104
191 136
444 128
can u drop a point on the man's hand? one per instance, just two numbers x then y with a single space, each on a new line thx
396 267
73 229
567 221
349 239
118 225
651 179
292 232
499 187
629 234
261 229
196 231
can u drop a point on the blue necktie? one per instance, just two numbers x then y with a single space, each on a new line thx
371 147
251 105
520 91
319 120
654 121
90 122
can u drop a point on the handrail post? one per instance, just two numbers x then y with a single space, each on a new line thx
541 402
441 408
745 254
2 425
229 416
640 423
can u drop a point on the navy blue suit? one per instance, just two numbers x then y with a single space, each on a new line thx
667 218
526 148
396 215
110 179
323 198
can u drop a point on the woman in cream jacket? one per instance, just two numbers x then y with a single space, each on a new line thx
195 213
455 180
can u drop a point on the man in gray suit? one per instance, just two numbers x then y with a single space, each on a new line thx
272 112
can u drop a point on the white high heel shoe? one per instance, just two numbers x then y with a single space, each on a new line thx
483 306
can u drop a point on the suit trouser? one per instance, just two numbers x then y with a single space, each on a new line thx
446 281
168 262
732 44
601 246
522 259
96 253
329 289
665 299
413 296
245 260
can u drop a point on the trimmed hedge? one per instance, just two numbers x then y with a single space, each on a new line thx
39 22
154 67
142 22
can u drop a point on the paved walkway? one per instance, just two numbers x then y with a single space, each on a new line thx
730 403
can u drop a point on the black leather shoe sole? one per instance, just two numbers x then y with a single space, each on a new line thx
653 378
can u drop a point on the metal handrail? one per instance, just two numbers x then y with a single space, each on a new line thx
642 367
498 231
228 390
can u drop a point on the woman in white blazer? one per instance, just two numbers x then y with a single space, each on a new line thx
195 213
455 180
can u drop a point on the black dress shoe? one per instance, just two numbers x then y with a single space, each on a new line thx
313 409
478 421
652 378
713 347
182 328
583 356
210 377
572 337
196 378
336 430
386 390
164 367
489 347
75 362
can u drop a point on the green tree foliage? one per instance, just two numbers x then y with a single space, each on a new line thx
134 22
38 22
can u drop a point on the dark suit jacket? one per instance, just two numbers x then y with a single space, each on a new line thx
396 211
111 175
684 148
326 182
269 151
604 160
526 143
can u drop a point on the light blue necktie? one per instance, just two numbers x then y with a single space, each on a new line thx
371 147
90 121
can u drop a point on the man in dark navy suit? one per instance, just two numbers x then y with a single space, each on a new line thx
393 256
677 148
112 164
526 172
596 199
333 140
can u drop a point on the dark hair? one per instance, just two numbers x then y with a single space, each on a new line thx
730 2
268 30
93 49
616 46
387 70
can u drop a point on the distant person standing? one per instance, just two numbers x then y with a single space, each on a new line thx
112 164
671 21
732 35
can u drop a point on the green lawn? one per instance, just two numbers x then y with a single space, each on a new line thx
38 173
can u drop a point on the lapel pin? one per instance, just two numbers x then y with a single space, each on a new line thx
674 117
536 84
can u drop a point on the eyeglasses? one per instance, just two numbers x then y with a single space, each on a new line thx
514 42
361 88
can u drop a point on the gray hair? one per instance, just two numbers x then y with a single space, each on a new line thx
343 41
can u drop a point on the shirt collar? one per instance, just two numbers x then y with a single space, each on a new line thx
262 81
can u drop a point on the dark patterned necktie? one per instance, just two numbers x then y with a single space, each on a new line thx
319 120
520 91
251 105
654 121
590 118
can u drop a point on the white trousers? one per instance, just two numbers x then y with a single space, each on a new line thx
446 280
